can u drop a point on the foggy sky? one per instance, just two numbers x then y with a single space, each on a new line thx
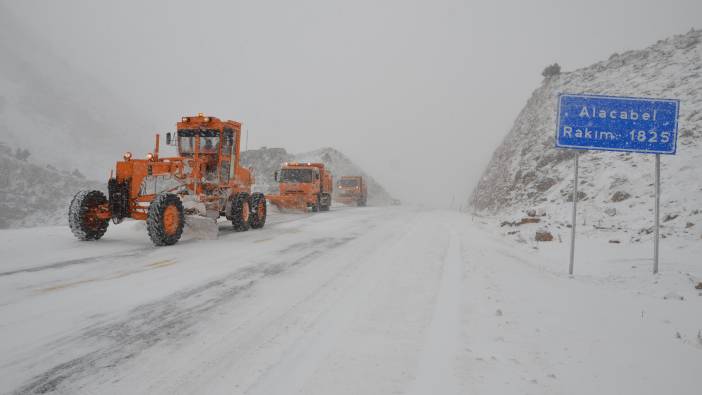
417 93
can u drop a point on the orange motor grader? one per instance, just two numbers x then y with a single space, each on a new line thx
303 186
351 190
205 180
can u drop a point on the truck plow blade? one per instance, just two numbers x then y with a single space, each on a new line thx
283 203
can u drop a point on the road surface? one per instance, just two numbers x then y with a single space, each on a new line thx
354 301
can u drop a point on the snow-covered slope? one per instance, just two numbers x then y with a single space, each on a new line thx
266 161
60 114
33 195
527 172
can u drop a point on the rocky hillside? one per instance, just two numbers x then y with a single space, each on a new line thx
59 113
266 161
34 195
527 173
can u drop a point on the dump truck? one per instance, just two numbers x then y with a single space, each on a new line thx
351 190
205 181
303 186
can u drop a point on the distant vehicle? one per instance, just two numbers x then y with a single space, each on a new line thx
395 202
303 186
205 180
351 190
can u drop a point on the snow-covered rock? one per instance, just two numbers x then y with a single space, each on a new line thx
34 195
616 189
264 162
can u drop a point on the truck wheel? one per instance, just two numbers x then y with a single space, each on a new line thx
240 212
315 207
327 203
82 215
257 202
362 203
165 220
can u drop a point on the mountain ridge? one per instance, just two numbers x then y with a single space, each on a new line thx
527 172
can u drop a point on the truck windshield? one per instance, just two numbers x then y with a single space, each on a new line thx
209 141
296 175
350 182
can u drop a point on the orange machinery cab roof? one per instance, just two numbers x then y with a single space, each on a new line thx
201 120
303 164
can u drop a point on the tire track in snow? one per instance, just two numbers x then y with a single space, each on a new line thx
437 364
274 345
166 320
78 261
343 294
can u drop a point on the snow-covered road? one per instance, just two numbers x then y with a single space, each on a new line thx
357 300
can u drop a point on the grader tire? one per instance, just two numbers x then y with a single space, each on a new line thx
240 214
259 210
82 219
165 220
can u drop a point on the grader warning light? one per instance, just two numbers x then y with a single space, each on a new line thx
203 182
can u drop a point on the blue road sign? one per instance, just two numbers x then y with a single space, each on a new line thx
617 123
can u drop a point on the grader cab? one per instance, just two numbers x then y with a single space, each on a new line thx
205 181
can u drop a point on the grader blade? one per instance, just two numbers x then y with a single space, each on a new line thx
201 227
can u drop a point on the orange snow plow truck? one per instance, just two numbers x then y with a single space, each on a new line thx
351 190
202 183
303 186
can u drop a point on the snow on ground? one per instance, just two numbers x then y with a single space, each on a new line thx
357 300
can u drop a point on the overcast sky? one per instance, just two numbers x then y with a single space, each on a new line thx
418 93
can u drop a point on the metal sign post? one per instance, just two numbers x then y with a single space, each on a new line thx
575 210
609 123
657 214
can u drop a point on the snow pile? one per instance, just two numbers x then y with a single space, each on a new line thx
266 161
33 195
616 189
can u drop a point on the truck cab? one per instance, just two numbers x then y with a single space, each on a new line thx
303 185
351 190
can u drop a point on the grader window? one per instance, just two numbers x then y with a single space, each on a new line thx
209 141
209 145
228 141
